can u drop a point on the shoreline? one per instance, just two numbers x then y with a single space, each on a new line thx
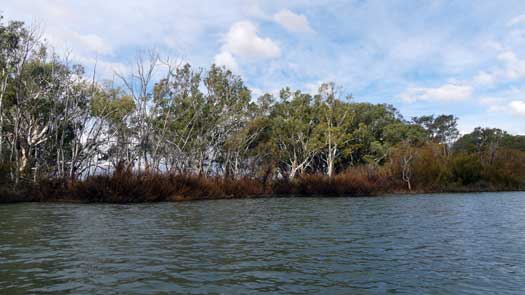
128 187
178 199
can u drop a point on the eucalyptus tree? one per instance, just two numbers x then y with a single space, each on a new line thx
366 133
238 158
13 37
43 106
228 109
294 120
196 113
178 105
484 141
404 140
166 92
29 113
335 121
109 135
441 129
86 130
139 82
17 43
49 115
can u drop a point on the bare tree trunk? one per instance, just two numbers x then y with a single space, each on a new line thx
293 169
35 173
3 88
332 150
406 169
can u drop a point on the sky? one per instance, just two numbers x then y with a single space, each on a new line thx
465 58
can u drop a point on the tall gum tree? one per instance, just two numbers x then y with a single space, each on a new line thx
294 119
335 120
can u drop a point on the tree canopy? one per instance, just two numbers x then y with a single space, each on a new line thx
56 121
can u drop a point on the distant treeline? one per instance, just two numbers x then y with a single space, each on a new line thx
165 130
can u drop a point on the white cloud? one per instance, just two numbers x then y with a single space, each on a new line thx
256 92
243 40
227 60
86 43
495 104
445 93
104 69
293 22
489 101
520 19
492 45
510 67
514 67
506 103
517 107
507 56
483 79
312 87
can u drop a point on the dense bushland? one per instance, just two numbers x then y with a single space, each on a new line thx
166 131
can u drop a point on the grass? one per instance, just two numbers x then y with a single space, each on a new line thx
126 186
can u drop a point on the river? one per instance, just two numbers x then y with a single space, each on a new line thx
424 244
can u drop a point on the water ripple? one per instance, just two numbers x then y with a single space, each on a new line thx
441 244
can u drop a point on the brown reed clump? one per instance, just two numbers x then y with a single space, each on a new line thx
126 186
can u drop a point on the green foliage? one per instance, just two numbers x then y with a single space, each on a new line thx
466 169
111 105
398 132
57 124
441 129
483 139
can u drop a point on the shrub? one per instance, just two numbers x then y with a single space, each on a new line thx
466 169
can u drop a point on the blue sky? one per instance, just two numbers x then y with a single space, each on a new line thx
425 57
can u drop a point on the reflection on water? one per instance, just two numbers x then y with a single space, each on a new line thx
443 244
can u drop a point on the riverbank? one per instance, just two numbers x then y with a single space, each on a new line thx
130 187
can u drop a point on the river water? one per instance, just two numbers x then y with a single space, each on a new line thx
425 244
